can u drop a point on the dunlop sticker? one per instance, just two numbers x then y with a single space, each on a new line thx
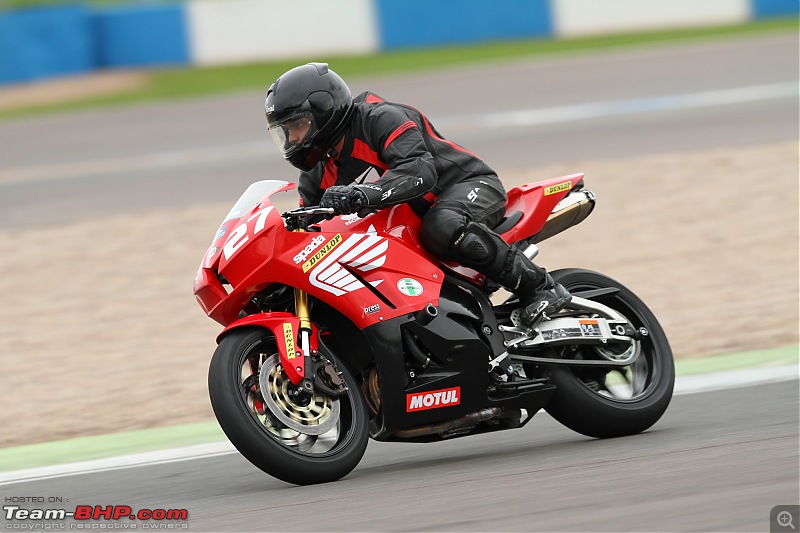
288 338
557 188
317 257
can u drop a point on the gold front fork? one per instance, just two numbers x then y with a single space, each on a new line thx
301 308
301 304
304 335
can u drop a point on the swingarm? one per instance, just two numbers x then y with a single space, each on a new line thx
615 340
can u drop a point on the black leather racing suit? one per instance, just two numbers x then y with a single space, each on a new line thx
458 195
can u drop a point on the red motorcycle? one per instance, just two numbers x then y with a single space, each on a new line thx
346 329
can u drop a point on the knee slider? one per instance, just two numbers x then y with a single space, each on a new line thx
439 228
478 247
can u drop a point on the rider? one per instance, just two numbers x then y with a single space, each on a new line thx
336 139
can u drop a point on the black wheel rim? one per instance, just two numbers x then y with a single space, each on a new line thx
629 384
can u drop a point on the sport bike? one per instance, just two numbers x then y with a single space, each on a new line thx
343 329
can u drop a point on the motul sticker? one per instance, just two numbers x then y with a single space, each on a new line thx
409 287
557 188
288 338
433 400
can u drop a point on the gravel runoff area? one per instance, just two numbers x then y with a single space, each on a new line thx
99 330
70 88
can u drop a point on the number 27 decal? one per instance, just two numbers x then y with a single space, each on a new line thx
239 236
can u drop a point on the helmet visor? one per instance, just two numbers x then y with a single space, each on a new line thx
291 132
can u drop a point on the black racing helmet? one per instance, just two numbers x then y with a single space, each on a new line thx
307 111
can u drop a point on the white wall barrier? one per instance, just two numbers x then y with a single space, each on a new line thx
235 31
77 38
594 17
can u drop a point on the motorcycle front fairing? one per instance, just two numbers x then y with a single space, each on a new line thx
368 277
234 232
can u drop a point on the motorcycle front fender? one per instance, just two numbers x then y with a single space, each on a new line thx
286 329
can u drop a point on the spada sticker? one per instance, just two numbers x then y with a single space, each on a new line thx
308 250
409 287
557 188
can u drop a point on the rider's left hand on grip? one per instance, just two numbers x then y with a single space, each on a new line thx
343 199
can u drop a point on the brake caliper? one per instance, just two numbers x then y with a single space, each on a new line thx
326 378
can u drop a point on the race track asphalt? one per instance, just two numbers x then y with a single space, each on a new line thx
87 165
717 461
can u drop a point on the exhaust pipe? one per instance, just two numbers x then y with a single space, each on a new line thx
469 421
571 210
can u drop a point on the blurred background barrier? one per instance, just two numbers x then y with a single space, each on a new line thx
416 23
590 17
136 36
42 43
235 31
46 41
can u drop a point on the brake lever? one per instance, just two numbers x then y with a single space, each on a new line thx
307 212
297 219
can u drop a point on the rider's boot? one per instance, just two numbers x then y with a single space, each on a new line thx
538 292
478 247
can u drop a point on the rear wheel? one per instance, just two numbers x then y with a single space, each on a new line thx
605 402
300 440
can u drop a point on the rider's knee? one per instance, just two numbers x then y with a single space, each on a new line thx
439 229
453 236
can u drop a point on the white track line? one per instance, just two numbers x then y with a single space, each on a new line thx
734 379
173 455
685 385
477 122
610 108
138 163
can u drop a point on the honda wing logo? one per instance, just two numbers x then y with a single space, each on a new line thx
361 252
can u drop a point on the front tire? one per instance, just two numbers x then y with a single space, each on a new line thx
302 458
586 400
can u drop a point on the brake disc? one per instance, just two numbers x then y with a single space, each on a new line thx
313 415
626 354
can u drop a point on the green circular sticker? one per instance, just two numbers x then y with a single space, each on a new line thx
409 287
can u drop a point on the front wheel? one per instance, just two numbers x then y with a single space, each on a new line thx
312 440
600 402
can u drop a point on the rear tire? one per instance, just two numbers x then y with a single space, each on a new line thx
583 400
286 454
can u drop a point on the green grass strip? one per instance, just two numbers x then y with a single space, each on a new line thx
115 444
787 355
130 442
189 82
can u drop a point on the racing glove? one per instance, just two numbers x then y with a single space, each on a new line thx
344 199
